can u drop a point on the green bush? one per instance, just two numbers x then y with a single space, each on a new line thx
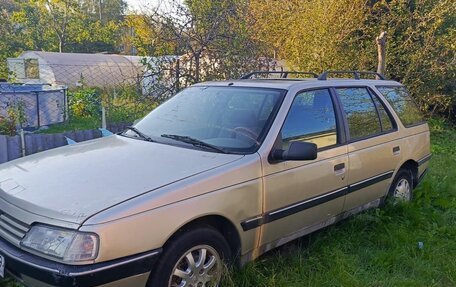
84 103
127 104
16 118
7 126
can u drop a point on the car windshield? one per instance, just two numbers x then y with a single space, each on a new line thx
216 119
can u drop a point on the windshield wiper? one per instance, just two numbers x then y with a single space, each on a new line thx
140 134
194 142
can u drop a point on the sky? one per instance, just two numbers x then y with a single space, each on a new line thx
137 4
140 5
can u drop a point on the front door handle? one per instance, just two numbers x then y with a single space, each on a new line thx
339 169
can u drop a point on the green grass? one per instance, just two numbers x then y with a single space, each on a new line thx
76 124
379 247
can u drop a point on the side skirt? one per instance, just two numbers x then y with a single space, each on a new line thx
307 230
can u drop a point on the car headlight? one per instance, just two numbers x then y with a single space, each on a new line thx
63 244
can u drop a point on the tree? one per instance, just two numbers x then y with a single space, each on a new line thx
319 35
15 20
311 35
93 36
7 32
104 10
381 51
60 13
62 25
212 38
421 51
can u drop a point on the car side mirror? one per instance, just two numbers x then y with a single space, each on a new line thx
296 151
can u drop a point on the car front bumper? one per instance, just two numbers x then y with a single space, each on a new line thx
35 271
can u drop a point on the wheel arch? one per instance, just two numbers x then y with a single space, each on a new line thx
411 165
218 222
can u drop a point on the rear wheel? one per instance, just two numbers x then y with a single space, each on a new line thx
402 188
194 259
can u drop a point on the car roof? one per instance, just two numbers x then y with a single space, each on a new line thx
288 84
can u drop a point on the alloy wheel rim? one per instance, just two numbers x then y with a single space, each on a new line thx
200 266
402 190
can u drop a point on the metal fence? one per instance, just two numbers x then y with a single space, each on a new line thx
14 147
33 105
73 98
100 91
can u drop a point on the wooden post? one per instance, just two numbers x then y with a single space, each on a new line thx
381 49
103 117
177 89
21 134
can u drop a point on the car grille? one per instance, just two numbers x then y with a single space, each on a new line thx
12 229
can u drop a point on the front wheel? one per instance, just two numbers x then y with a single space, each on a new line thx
194 259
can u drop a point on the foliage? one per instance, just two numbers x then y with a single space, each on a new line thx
421 51
16 113
104 11
94 37
13 41
321 35
212 39
84 103
314 35
58 25
126 104
123 105
15 118
74 124
7 126
145 37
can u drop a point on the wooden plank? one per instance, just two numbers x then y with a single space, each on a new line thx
47 142
29 145
39 144
78 136
58 140
14 147
94 134
87 135
10 147
3 149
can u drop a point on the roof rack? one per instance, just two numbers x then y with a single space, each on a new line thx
283 74
356 74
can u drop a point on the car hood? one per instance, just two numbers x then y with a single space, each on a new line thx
75 182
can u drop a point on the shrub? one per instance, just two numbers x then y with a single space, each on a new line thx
127 104
84 103
7 126
16 118
16 113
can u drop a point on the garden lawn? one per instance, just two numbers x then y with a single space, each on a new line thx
76 124
376 248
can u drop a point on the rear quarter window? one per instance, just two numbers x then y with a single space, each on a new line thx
403 105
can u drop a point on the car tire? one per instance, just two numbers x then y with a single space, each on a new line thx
183 256
401 189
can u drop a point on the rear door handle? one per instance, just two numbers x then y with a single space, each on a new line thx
396 150
339 169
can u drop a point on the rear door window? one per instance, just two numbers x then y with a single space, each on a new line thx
385 119
403 105
360 111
